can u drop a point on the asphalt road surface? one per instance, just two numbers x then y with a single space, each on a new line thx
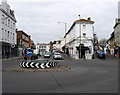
84 76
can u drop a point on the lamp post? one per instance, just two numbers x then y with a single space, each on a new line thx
65 33
80 37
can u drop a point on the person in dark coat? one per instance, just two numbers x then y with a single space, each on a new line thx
7 54
119 51
82 53
115 51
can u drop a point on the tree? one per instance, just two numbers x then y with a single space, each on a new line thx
102 43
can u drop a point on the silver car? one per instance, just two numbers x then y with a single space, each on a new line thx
47 55
57 56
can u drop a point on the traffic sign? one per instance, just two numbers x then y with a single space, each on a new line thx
29 52
12 46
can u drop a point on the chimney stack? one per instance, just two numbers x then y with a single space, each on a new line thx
89 18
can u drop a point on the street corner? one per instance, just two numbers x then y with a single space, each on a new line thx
57 68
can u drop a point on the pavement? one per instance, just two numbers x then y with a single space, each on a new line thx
12 58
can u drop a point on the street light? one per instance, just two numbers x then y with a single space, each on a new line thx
65 33
80 36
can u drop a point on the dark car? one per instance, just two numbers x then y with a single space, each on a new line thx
33 57
100 54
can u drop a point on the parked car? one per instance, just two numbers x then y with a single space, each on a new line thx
34 56
57 56
47 55
100 54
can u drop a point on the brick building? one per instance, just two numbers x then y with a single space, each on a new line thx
23 41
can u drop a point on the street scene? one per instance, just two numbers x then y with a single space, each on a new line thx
46 49
69 76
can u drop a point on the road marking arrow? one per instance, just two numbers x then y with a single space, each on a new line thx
20 64
42 65
32 64
47 64
37 65
23 64
27 64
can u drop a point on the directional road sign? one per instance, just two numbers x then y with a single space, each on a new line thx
29 52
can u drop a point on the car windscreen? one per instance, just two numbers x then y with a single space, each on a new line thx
47 53
57 54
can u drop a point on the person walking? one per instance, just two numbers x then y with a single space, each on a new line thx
115 52
7 54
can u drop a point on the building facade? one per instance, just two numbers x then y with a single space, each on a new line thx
111 41
119 9
79 39
57 45
41 48
23 41
117 32
7 30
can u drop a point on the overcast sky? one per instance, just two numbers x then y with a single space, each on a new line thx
39 18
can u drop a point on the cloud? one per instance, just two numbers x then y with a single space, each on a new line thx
39 17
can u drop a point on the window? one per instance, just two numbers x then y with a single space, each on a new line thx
8 34
8 22
11 24
5 34
2 34
84 27
2 19
84 34
13 37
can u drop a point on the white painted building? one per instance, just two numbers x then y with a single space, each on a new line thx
41 48
7 28
57 45
81 32
119 10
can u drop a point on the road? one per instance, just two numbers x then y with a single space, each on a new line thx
84 76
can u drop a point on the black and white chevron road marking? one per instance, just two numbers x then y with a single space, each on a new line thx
38 65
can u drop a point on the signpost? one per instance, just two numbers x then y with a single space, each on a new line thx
12 46
29 53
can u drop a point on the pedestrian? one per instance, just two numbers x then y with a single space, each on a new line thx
115 52
119 52
83 53
7 54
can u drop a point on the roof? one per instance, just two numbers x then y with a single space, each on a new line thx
23 32
81 20
84 20
112 36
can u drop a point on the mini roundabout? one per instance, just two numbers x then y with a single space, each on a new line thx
39 66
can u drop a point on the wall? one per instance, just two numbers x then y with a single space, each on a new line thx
8 25
119 9
0 26
74 35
